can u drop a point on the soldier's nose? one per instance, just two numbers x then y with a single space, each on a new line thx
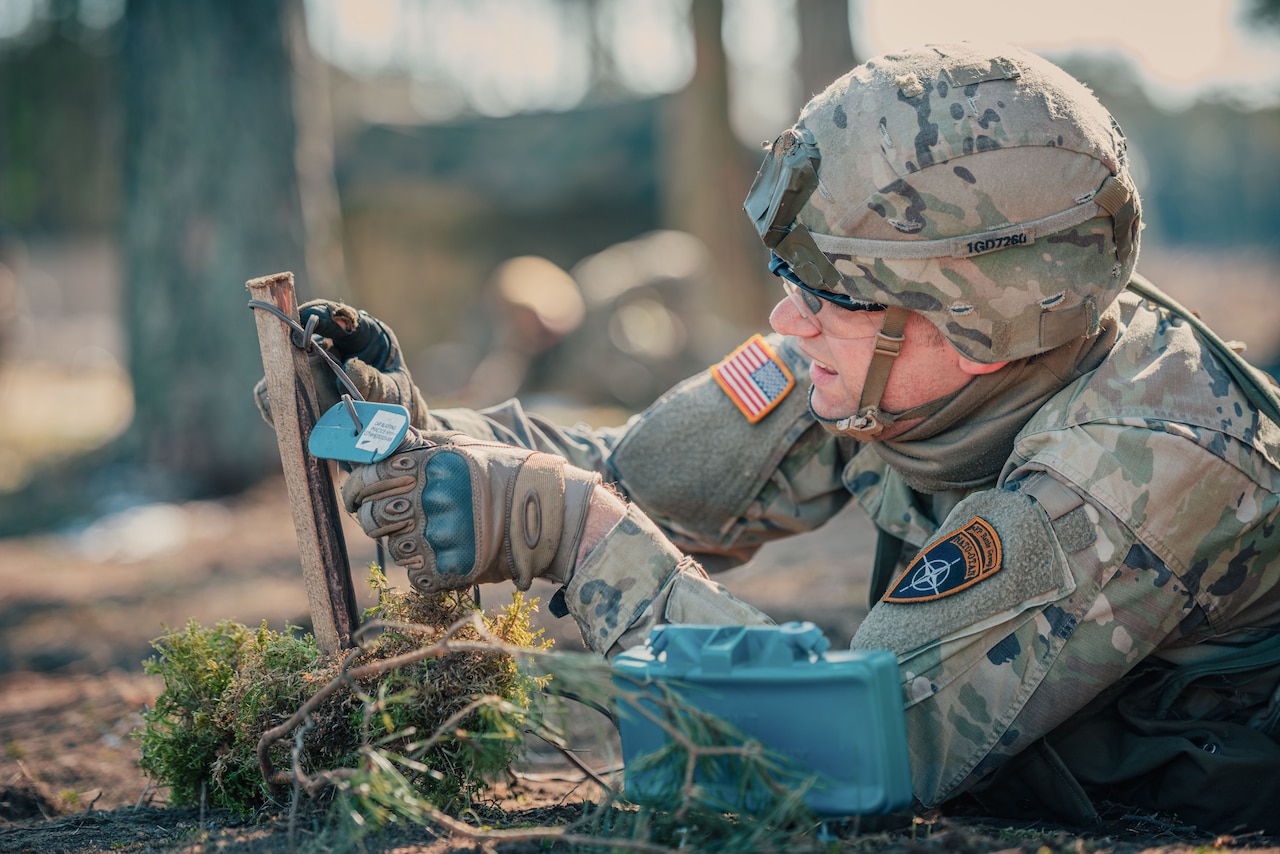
787 320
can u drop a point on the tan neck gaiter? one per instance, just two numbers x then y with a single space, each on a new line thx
966 443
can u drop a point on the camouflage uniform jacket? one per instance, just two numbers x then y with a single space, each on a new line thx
1136 518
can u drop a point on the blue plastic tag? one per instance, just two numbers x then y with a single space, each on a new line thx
382 427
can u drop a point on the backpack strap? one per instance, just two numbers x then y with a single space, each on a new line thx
1258 387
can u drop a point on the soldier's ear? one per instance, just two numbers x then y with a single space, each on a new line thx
924 332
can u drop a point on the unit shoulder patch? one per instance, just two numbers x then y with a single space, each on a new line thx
961 560
755 378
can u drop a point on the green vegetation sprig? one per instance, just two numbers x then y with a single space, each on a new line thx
233 697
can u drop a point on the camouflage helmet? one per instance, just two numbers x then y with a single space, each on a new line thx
985 189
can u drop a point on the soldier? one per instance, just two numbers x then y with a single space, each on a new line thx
1076 483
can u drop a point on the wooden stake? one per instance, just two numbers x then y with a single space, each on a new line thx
316 520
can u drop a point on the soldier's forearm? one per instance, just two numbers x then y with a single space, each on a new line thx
633 579
605 512
510 424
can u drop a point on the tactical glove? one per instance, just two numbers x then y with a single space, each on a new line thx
460 511
369 353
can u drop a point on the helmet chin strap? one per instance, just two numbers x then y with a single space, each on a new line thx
870 420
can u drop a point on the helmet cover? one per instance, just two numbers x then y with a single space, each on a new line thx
985 189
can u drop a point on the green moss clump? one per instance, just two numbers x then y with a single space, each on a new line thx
227 685
182 737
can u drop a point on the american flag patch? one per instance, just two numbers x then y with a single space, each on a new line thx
755 379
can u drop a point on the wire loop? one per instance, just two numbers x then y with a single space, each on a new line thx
305 341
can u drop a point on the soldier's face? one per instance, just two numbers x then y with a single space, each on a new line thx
840 350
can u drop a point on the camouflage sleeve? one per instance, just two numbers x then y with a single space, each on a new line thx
719 485
797 492
583 446
721 478
1037 595
1006 624
635 579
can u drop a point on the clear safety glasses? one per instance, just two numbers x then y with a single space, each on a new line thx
844 317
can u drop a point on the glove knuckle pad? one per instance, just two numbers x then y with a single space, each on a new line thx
407 548
450 529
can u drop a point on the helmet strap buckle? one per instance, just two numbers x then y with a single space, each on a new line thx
864 426
888 345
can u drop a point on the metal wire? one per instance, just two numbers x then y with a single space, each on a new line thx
303 339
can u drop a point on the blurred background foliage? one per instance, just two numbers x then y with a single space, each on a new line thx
542 196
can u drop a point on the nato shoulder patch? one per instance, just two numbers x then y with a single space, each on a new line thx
755 378
960 560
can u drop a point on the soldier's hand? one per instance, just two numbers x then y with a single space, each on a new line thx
459 511
368 351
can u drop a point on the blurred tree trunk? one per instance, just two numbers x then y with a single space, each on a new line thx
211 200
707 173
326 270
213 165
826 49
